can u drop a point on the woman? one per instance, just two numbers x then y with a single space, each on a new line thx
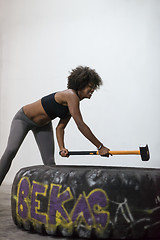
37 117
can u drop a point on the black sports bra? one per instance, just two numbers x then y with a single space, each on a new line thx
54 109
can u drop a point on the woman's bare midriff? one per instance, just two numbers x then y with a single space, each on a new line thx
36 113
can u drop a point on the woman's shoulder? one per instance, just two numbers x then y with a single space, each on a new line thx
69 93
65 96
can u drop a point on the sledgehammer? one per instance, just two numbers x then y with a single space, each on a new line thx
143 151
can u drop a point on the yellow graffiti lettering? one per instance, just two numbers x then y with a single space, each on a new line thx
22 199
38 189
48 205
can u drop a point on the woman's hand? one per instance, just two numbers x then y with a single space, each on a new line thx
64 152
104 152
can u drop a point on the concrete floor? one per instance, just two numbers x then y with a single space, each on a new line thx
8 230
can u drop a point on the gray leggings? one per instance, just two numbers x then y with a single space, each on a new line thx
20 126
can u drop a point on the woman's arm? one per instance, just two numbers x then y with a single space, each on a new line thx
73 105
60 135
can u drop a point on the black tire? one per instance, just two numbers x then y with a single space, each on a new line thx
89 202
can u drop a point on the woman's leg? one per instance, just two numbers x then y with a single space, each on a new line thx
18 131
45 141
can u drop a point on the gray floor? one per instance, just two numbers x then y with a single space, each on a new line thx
8 230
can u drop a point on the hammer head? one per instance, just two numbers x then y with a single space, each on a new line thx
144 151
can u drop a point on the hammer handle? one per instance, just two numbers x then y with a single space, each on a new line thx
136 152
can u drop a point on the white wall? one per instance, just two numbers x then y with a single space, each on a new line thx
42 40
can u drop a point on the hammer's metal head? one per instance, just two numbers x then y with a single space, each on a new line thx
144 151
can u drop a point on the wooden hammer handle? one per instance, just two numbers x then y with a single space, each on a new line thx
136 152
